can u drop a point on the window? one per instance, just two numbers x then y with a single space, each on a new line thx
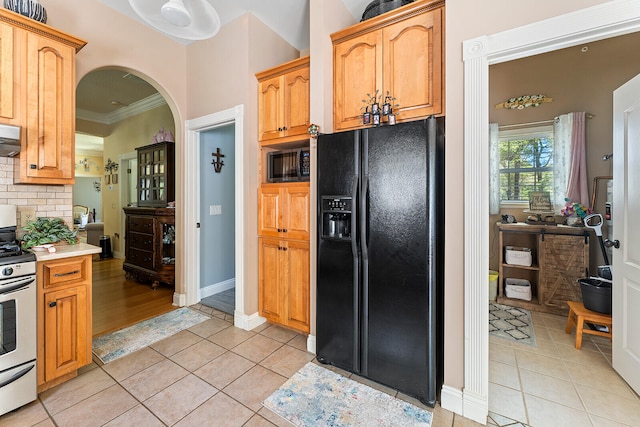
526 162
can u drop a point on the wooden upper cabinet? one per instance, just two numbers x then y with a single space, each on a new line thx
283 102
357 72
399 52
39 75
6 72
50 145
410 45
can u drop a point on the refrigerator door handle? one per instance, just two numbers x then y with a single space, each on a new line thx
363 198
355 191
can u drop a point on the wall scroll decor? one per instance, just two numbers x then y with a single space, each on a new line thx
524 101
111 167
217 162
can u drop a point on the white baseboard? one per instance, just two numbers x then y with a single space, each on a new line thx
216 288
311 344
247 322
451 399
179 300
476 407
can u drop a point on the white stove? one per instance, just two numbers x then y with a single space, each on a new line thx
18 334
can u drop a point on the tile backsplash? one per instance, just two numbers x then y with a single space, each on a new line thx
49 201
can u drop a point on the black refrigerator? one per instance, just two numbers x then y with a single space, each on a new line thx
380 254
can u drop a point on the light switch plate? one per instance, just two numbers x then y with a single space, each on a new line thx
27 215
215 210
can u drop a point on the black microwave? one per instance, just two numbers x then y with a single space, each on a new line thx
289 165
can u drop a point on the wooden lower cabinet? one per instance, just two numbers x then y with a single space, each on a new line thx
64 319
284 282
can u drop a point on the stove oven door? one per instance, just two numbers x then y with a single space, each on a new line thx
18 386
17 321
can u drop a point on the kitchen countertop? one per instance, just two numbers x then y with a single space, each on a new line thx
66 251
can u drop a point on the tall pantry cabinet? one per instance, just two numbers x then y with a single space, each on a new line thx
37 63
284 208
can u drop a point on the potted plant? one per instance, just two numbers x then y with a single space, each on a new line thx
44 231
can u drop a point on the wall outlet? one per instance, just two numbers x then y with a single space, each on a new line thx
215 210
27 215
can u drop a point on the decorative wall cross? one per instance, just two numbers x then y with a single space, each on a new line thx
217 162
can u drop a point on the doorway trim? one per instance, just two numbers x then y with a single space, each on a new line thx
610 19
193 128
125 177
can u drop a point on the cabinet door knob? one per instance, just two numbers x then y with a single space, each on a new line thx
279 230
284 128
284 230
53 304
284 248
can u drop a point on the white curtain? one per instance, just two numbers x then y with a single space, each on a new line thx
570 161
494 170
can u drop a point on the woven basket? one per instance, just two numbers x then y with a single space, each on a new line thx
29 8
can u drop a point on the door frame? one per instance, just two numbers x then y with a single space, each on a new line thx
125 177
610 19
192 254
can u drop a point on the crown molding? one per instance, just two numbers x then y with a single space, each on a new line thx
138 107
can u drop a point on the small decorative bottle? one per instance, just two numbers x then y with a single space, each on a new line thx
366 116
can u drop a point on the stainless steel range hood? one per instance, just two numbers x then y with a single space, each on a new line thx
9 140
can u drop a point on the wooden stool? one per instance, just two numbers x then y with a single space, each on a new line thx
583 315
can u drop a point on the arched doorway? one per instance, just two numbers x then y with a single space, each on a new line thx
121 109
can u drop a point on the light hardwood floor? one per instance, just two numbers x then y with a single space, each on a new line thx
118 303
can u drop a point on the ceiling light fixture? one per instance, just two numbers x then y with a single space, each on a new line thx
175 12
184 19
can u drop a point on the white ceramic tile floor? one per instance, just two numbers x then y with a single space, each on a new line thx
554 384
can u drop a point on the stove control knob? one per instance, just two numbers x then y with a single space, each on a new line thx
8 271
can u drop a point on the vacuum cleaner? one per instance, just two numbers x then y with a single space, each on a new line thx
596 291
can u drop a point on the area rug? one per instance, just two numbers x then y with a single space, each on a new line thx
125 341
315 396
511 323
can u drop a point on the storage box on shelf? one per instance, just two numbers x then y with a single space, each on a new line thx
375 55
559 257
